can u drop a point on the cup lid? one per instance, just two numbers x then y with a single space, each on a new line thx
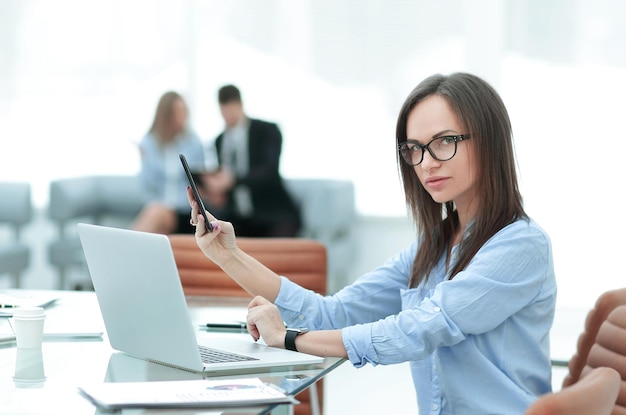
28 312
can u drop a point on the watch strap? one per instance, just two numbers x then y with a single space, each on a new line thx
290 339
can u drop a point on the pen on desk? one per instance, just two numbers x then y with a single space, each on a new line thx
7 306
239 325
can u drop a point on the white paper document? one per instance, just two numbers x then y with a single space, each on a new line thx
11 299
185 394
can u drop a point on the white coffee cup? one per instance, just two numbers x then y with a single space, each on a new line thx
28 326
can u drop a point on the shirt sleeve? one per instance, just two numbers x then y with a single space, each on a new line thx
194 151
150 174
373 296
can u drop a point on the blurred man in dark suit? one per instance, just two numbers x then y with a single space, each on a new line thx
247 189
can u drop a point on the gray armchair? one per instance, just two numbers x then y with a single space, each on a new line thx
15 211
105 200
328 215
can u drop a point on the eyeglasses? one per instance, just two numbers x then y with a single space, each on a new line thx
441 148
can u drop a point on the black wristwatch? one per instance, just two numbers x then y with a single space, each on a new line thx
290 338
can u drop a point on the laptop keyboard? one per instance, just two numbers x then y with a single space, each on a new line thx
209 355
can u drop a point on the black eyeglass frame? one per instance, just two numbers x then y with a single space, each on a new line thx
424 147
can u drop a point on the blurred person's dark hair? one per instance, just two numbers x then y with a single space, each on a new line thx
227 94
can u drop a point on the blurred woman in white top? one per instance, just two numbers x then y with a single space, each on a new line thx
163 180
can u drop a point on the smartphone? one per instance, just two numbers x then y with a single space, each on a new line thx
196 195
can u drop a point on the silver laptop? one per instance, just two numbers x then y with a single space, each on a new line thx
141 299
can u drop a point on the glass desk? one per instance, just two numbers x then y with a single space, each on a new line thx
74 354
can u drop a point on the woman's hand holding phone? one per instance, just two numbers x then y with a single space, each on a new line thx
216 239
220 243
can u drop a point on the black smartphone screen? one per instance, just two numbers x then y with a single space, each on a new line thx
196 195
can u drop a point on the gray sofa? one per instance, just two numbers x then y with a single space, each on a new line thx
327 205
15 212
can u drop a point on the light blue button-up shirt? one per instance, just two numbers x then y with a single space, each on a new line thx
162 175
477 344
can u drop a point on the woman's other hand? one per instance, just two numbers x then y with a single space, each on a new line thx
264 320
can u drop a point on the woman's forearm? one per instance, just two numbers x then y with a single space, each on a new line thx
326 343
251 275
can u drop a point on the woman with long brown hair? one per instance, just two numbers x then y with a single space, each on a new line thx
469 304
162 179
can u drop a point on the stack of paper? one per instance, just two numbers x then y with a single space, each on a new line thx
11 299
185 394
